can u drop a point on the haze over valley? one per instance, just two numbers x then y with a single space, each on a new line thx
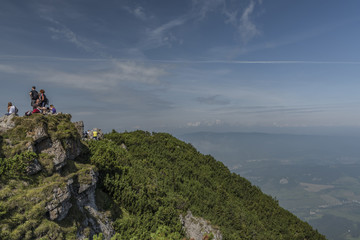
315 177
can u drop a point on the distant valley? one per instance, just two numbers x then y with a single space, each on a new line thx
315 177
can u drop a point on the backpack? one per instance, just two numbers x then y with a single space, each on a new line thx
34 95
46 100
16 110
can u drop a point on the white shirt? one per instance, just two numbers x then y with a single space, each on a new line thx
12 109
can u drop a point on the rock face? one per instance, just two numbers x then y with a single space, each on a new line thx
73 188
83 194
7 122
60 204
59 150
197 228
80 127
33 168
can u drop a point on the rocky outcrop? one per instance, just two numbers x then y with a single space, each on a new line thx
83 194
80 127
7 122
59 150
33 167
59 205
198 228
69 190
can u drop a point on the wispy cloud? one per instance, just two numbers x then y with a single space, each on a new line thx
247 28
243 23
101 79
202 7
162 35
138 12
61 32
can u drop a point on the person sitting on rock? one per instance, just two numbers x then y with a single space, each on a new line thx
36 109
52 109
11 109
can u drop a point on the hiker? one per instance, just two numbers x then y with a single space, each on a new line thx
34 95
43 99
52 109
11 109
95 133
36 109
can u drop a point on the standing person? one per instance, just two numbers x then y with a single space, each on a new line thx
34 95
43 98
95 133
11 109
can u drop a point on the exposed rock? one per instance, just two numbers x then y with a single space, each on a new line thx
80 127
60 204
54 149
73 148
83 193
196 228
39 133
7 122
96 220
123 146
33 167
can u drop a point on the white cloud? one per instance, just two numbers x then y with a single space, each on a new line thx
102 79
247 28
161 35
138 12
203 7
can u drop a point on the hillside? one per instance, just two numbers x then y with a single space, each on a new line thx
132 185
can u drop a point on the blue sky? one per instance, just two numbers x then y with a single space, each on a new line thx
182 66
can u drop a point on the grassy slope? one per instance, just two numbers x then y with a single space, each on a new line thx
158 177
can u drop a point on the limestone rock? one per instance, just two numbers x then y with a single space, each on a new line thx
39 133
73 148
7 122
96 220
60 204
33 167
83 193
55 149
80 127
196 228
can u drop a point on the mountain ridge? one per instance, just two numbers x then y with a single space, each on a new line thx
127 186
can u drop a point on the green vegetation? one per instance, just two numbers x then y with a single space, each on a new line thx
157 178
146 180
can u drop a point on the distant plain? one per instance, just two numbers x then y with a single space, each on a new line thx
315 177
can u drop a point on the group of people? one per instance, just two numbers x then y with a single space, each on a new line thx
39 101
